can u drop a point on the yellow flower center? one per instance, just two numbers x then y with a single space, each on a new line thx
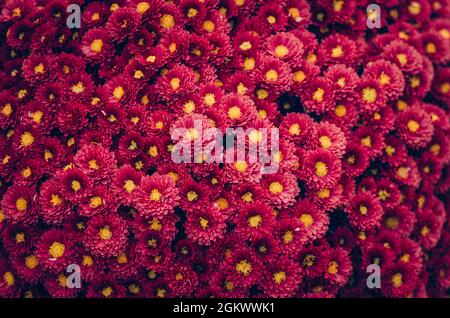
39 69
203 223
26 139
234 112
430 48
384 79
279 277
97 45
78 88
397 280
208 26
105 233
414 8
95 202
122 258
7 110
244 267
167 21
142 7
281 51
247 197
413 125
56 250
276 187
192 12
333 268
363 210
107 292
255 221
403 172
340 110
8 278
118 92
369 94
155 195
192 196
402 59
271 19
93 164
306 219
175 83
392 222
414 81
31 262
21 204
324 193
325 142
189 107
366 141
309 260
271 76
20 237
337 52
318 95
55 200
288 237
299 76
87 261
321 169
435 149
76 185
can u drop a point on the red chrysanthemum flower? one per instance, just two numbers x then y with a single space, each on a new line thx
319 96
243 268
320 168
105 235
156 195
364 211
338 49
56 250
414 127
339 267
20 204
279 190
282 278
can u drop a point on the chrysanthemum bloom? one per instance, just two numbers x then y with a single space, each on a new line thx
415 127
338 49
156 195
176 82
313 219
126 181
404 56
20 204
105 287
400 280
9 285
387 193
313 261
355 160
205 226
329 137
399 219
285 46
54 207
320 168
182 280
105 235
297 127
75 185
344 79
365 211
273 75
95 161
319 96
97 46
370 95
35 68
28 268
339 266
282 278
372 140
243 268
123 23
429 228
376 253
56 250
194 196
280 190
256 220
222 287
388 75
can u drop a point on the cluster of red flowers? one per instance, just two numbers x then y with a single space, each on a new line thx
86 175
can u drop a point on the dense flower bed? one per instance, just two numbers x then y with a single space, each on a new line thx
86 175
